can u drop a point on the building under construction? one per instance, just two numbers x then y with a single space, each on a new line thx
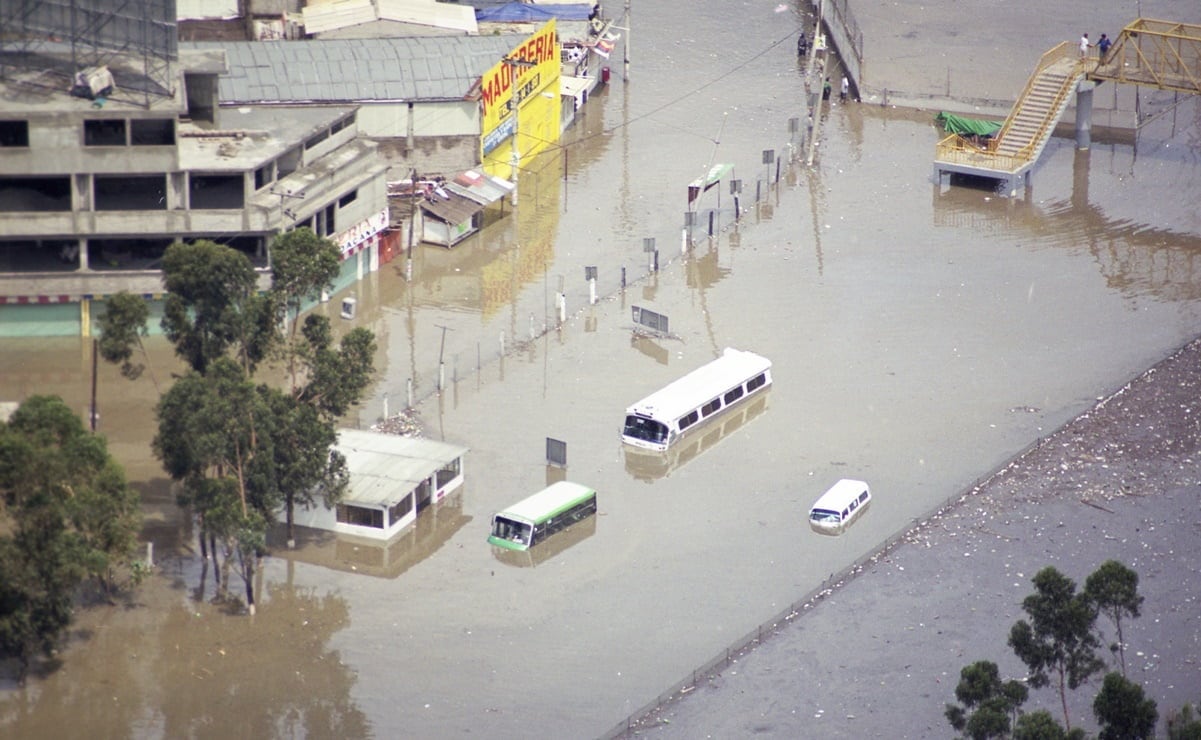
113 146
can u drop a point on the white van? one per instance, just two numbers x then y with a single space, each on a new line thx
839 506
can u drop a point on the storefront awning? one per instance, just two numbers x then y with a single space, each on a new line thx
573 86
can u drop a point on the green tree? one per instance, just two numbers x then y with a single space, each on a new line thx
213 306
1184 724
241 450
66 515
989 705
1113 590
53 459
215 436
122 326
302 266
1123 711
1038 725
334 380
1058 641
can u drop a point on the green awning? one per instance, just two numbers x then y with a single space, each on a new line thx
716 172
954 124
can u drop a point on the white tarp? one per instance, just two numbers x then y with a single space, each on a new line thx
430 13
321 17
197 9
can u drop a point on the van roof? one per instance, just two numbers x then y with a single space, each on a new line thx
840 494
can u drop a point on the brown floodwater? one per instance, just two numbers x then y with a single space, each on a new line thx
920 335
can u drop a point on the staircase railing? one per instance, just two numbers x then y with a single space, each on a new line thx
1059 53
956 148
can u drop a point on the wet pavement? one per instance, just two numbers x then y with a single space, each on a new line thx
921 336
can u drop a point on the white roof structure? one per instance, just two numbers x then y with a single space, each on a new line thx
384 468
320 17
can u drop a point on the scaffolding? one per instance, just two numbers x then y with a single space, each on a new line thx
41 41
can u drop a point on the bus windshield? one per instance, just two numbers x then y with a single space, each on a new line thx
507 529
638 427
825 516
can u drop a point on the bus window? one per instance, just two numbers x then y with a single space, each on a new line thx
647 429
755 382
733 395
711 407
689 420
507 529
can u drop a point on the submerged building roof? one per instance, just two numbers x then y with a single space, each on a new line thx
384 468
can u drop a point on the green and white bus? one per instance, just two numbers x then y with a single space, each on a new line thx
532 520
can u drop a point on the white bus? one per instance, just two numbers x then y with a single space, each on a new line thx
657 421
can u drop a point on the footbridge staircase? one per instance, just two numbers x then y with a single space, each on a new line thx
1161 54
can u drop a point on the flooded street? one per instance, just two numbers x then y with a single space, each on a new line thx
920 335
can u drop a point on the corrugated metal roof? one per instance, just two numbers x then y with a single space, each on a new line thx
385 467
453 209
429 68
480 187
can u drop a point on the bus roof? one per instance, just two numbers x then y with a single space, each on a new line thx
548 502
683 395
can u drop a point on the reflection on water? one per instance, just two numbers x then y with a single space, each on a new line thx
433 528
172 668
550 547
648 465
649 347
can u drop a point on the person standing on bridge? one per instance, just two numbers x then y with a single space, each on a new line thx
1103 46
1084 46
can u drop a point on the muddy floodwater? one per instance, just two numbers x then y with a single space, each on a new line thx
920 335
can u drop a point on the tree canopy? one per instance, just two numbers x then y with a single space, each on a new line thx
1113 590
1058 641
66 515
1058 644
243 449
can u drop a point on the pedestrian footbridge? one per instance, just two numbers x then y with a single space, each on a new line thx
1159 54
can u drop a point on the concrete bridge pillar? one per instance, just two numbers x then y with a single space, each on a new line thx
1084 114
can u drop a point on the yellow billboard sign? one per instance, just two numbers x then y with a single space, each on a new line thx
526 71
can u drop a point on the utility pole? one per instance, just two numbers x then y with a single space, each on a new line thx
626 46
515 97
92 411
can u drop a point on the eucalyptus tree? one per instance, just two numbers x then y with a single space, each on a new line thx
988 706
1058 641
1113 590
122 326
242 448
66 515
1123 710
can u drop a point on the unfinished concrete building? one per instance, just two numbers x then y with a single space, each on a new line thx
113 146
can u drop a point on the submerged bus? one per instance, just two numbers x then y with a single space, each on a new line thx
657 421
532 520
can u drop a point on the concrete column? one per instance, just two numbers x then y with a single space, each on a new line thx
83 254
1084 114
